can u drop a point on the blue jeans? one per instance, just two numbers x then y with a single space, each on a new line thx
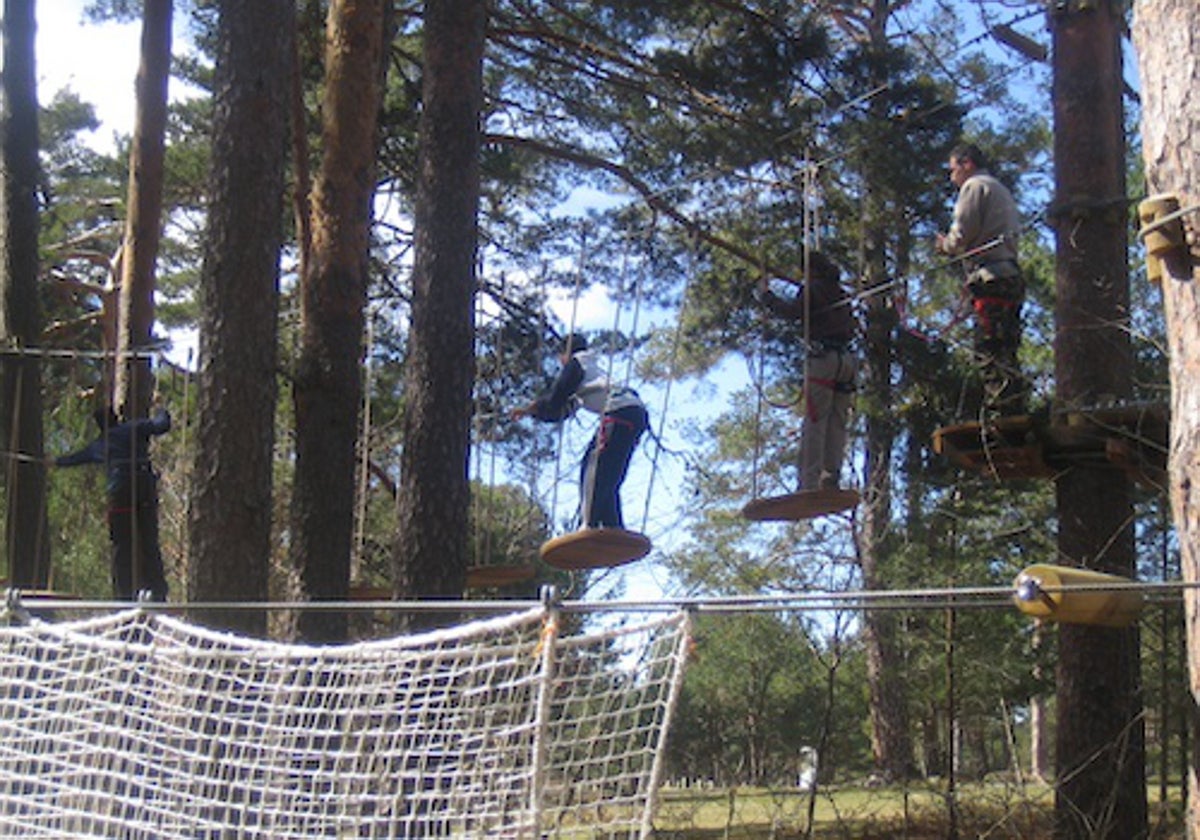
605 464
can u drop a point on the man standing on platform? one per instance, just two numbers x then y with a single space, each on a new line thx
983 236
826 313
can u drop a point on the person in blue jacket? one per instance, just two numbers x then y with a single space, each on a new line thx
583 382
132 489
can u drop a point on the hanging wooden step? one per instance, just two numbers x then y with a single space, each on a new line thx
595 548
1038 592
807 504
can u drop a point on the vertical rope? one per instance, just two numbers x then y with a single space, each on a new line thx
807 224
541 738
637 306
186 492
364 453
477 501
13 465
484 508
679 661
676 342
581 261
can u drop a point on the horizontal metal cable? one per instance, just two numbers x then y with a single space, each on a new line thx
990 597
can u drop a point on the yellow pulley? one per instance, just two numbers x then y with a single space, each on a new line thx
1077 596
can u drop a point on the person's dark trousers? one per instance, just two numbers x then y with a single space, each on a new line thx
997 303
605 464
133 530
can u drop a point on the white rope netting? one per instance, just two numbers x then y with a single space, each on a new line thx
139 725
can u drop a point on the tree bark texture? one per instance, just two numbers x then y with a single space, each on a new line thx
20 311
231 513
891 737
143 222
328 386
1100 741
1166 34
432 543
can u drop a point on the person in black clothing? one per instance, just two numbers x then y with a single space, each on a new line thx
132 489
623 419
828 318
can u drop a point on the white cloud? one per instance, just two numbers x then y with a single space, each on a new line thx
98 62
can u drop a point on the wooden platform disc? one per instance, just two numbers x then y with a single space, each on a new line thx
44 594
1043 591
484 577
1132 438
595 548
807 504
1005 448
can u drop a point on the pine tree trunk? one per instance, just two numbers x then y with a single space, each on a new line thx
1164 32
891 738
230 520
139 253
432 534
20 311
1100 743
328 384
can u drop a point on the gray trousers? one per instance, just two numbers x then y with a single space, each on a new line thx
828 394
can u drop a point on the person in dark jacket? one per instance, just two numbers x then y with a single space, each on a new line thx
132 489
623 419
830 370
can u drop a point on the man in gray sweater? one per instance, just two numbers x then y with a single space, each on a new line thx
983 236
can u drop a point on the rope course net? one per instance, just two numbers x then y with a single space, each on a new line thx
140 725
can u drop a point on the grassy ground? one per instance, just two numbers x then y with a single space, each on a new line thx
916 812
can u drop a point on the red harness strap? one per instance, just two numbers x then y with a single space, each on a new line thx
982 305
607 421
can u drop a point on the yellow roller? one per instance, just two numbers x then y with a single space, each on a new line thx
1038 592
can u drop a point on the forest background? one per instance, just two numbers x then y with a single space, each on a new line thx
717 140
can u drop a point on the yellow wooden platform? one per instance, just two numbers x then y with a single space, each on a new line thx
1132 438
807 504
595 548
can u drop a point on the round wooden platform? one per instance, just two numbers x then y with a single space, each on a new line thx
38 594
595 548
485 577
807 504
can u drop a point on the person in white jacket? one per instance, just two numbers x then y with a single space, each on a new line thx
583 382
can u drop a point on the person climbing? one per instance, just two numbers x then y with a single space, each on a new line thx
983 235
824 308
623 419
132 489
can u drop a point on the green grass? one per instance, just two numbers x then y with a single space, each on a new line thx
920 811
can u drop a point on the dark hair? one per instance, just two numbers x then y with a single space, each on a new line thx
574 342
971 152
821 267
